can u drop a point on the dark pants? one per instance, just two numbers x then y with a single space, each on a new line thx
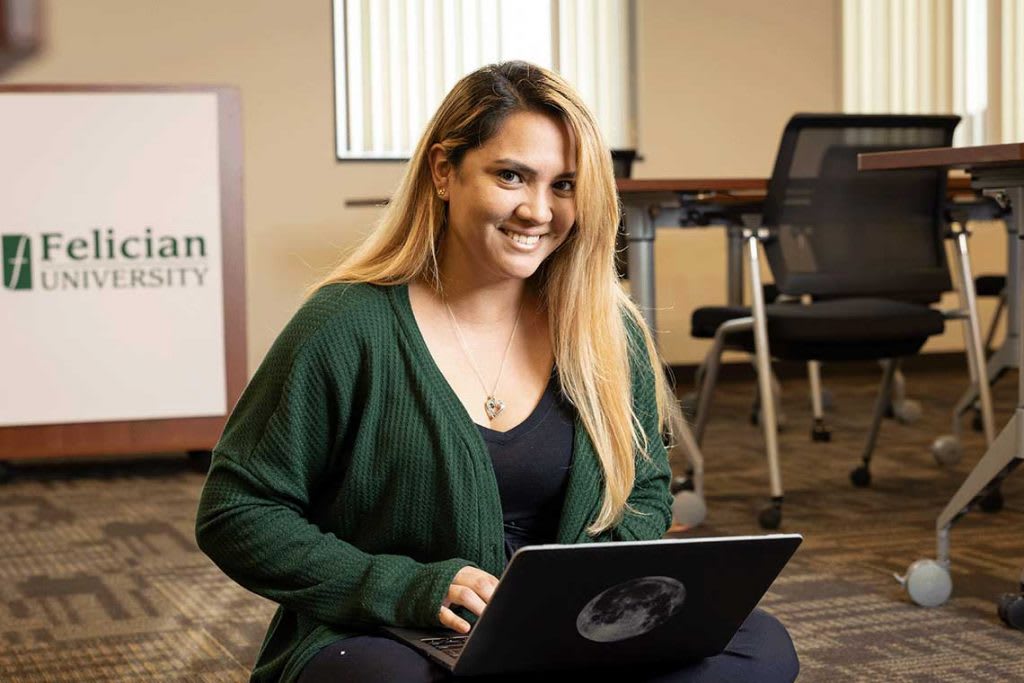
760 651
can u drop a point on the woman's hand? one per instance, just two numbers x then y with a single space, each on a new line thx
471 588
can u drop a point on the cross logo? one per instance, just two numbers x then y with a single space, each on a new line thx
16 252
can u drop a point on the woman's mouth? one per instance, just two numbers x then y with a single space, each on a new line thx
521 239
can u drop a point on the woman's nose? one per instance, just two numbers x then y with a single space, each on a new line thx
536 209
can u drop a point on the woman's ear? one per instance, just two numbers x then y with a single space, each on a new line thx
440 169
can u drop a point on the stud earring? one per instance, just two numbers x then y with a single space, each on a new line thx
441 192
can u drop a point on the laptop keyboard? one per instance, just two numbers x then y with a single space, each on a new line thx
450 645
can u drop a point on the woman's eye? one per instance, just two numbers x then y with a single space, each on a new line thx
565 186
509 176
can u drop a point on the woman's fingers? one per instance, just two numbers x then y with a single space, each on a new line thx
486 586
466 597
453 621
471 588
480 582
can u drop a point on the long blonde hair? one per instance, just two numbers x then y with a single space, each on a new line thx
578 283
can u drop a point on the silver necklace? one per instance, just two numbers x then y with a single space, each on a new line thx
493 405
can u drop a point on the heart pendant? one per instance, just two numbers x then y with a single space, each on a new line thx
493 406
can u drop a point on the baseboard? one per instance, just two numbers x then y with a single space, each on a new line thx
744 372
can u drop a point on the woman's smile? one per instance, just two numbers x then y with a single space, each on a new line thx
524 241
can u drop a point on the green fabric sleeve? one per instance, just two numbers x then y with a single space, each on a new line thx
262 542
254 513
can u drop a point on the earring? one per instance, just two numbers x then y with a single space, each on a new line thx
441 192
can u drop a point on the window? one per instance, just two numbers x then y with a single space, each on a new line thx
925 56
394 60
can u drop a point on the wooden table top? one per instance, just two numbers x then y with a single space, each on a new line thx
723 189
981 156
750 187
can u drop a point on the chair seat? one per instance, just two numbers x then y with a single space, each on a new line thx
989 285
842 329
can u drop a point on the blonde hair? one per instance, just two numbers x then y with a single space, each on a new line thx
578 283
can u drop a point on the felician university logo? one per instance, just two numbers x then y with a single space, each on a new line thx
16 252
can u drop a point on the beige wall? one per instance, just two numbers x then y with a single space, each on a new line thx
716 81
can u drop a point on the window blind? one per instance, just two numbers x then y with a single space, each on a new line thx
1011 115
938 56
396 59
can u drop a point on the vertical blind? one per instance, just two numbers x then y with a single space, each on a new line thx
1011 83
938 56
394 60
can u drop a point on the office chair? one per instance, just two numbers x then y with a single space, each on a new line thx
861 253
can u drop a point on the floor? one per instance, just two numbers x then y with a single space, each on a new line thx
100 578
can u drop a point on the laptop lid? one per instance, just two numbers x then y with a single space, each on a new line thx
614 604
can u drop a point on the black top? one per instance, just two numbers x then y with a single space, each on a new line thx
531 462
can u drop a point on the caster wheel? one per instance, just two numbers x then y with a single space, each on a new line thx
689 509
200 460
681 483
770 517
688 403
927 583
861 477
6 472
1011 610
907 411
947 450
992 501
821 434
976 422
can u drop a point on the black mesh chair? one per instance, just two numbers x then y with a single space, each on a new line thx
861 254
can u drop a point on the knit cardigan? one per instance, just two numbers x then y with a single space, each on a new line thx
350 485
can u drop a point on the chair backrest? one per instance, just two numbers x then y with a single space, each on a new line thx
842 232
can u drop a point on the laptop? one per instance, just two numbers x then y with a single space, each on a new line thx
612 604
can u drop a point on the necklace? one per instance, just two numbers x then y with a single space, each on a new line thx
493 405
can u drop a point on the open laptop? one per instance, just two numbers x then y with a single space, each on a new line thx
611 604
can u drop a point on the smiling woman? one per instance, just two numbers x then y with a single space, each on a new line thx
471 380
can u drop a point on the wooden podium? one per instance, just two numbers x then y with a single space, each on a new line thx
192 430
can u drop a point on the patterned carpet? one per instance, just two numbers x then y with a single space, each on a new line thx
100 579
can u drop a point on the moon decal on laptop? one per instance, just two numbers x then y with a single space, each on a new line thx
630 609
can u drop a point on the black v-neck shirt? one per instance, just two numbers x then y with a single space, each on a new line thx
531 462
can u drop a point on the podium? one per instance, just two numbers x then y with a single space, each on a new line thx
123 297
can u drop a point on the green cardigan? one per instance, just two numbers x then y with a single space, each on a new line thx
350 485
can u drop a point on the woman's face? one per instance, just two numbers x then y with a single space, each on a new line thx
510 202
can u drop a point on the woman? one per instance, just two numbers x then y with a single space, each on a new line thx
471 380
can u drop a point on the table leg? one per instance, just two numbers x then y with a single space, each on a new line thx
1007 450
1013 313
734 265
997 462
1007 356
640 235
